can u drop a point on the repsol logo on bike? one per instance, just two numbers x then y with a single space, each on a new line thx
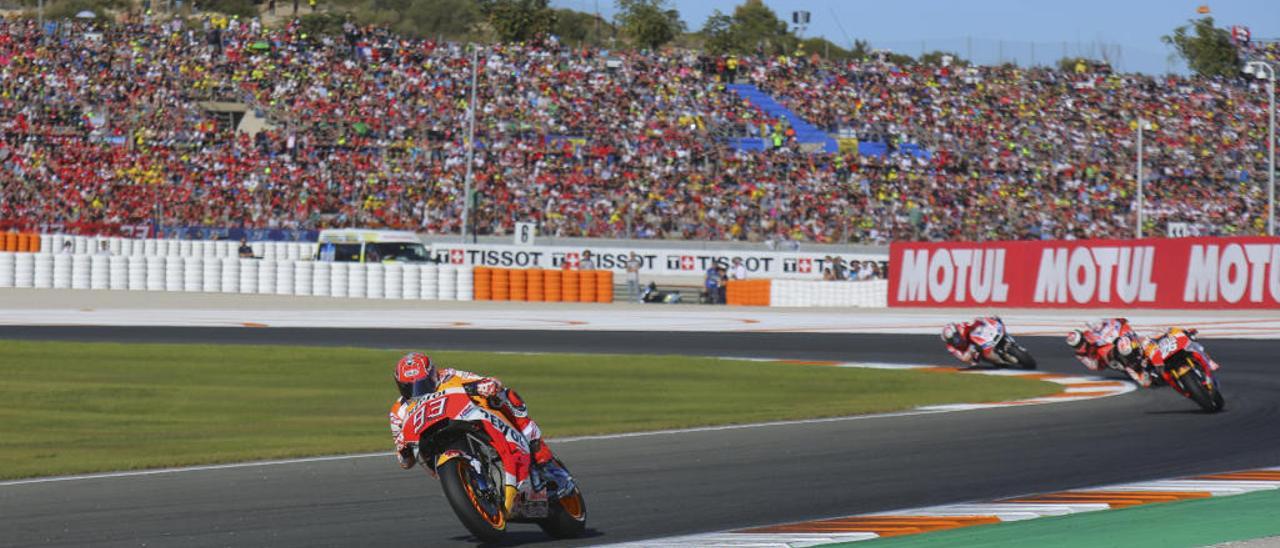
1232 273
1093 274
947 274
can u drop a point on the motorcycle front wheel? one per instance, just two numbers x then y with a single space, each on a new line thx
481 511
567 516
1198 392
1024 358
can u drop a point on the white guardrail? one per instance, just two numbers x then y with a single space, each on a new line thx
213 267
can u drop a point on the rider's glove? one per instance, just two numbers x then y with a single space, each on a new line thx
487 388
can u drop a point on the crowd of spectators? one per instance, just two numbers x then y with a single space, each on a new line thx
119 124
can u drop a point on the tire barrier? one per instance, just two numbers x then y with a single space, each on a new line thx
412 276
204 271
748 292
539 285
804 293
20 242
8 269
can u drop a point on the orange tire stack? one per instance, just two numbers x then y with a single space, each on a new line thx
537 289
586 286
570 286
35 244
482 280
519 284
501 284
604 286
24 243
9 242
749 292
552 285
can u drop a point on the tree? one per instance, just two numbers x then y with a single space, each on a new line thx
752 28
649 23
580 28
519 20
1206 49
936 58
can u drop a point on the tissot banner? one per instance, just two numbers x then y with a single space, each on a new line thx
1150 273
761 264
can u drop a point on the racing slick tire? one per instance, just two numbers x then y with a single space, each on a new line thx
1024 358
478 511
566 516
1198 393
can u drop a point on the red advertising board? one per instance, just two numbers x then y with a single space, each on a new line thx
1149 273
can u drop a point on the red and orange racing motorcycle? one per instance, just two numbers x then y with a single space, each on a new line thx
1184 365
485 467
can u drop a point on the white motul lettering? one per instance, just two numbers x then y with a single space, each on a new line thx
1202 275
1147 293
940 263
1273 281
1081 288
1106 259
1051 280
1258 255
981 275
1001 292
963 258
913 275
1233 273
1128 274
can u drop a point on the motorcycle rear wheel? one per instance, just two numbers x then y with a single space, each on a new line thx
486 522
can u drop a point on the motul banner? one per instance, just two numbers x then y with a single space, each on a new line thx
1152 273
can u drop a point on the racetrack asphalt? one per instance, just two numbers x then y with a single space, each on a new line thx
675 483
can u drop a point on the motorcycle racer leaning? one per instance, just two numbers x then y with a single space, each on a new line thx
1095 347
419 369
957 337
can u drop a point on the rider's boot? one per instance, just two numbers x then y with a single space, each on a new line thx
551 469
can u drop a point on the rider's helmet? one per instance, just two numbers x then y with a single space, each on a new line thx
1075 338
415 374
1125 346
951 335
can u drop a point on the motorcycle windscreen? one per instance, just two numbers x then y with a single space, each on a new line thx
422 387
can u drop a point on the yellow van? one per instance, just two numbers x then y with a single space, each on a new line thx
351 245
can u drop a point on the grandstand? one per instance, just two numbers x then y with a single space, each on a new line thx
137 123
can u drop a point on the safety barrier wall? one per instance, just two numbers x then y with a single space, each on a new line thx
234 275
542 285
804 293
130 247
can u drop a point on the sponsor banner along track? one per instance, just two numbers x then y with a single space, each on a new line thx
1152 273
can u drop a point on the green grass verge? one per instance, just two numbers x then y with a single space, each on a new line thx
1202 522
85 407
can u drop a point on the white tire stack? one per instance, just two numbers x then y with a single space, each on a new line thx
137 266
248 275
430 289
230 274
8 268
211 276
302 277
192 271
338 279
24 269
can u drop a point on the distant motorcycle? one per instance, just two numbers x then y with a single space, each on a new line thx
990 334
484 467
1184 364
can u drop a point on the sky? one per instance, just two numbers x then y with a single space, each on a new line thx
1127 32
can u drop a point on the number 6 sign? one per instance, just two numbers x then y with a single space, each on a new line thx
525 233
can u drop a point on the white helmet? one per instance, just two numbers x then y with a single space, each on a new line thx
1125 346
1075 338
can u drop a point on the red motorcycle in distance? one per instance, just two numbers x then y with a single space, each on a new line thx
484 466
991 335
1184 365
